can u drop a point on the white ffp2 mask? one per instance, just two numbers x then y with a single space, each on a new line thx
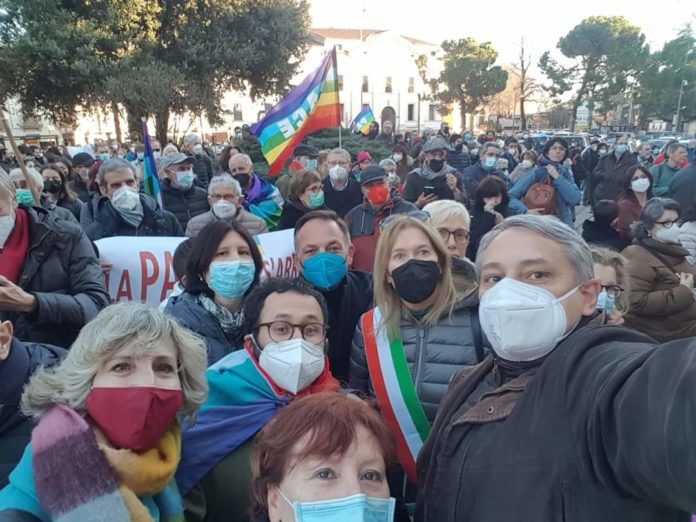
509 308
7 224
293 364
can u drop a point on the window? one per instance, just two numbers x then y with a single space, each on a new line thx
432 112
411 84
411 112
481 119
366 84
237 112
388 84
340 82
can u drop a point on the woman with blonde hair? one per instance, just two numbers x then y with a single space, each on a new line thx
108 441
418 330
611 268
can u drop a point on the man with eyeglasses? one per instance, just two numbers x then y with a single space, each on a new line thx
364 220
226 202
341 191
260 197
284 357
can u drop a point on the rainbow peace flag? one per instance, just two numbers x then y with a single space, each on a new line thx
362 121
310 106
151 184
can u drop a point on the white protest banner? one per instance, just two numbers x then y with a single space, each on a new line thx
142 266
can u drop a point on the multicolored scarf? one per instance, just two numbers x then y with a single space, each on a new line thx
80 477
264 200
242 398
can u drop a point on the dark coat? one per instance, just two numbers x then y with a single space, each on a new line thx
293 210
203 169
458 160
629 213
184 204
609 174
347 302
342 201
603 234
84 193
433 353
62 271
15 429
74 207
596 431
475 174
415 185
100 219
187 312
682 188
481 223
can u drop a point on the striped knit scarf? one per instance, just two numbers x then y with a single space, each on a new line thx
78 477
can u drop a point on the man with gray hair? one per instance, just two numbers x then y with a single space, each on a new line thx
341 191
260 197
567 419
51 284
120 210
203 165
226 202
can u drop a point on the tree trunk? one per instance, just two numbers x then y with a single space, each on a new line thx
574 113
135 124
471 123
523 114
162 126
590 111
117 121
462 115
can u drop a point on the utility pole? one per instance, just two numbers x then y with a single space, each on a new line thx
681 93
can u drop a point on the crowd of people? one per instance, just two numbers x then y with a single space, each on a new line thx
453 349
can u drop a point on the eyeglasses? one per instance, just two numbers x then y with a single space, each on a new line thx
666 224
461 235
420 215
280 331
227 197
613 291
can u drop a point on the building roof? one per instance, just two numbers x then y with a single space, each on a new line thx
354 34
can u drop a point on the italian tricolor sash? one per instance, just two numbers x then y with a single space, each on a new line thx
395 391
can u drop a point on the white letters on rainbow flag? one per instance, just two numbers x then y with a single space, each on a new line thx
142 266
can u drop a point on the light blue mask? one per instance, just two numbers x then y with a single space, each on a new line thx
24 197
311 164
316 199
490 163
356 508
621 148
605 302
184 178
324 270
231 279
103 156
140 156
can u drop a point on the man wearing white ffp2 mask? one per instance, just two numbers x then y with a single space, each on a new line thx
565 405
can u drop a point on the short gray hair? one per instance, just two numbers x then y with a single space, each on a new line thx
126 325
190 138
35 175
224 180
444 209
344 152
387 161
112 165
651 214
576 249
243 156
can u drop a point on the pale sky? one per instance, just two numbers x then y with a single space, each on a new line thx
502 22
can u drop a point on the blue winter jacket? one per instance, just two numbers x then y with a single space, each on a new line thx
567 192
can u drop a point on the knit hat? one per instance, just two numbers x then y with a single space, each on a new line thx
83 159
363 155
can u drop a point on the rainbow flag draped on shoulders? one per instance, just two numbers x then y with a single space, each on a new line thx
362 121
310 106
150 178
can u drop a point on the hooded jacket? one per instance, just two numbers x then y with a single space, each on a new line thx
62 271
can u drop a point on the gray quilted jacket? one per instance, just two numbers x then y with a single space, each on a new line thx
253 224
433 353
687 237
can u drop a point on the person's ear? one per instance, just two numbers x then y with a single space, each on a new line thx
6 331
273 503
589 291
349 257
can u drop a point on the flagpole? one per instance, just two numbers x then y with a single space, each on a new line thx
340 144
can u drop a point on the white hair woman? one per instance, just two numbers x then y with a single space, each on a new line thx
108 437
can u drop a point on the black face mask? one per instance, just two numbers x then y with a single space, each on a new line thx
458 147
416 280
243 180
436 164
53 186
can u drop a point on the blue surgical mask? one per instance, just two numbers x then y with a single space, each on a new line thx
490 163
141 156
324 270
311 164
605 302
316 199
184 178
24 197
621 148
104 156
356 508
231 279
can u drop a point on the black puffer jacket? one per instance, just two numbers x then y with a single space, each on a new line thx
100 219
203 168
184 204
434 354
62 271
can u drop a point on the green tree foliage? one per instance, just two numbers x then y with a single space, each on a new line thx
469 76
605 53
155 57
661 80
